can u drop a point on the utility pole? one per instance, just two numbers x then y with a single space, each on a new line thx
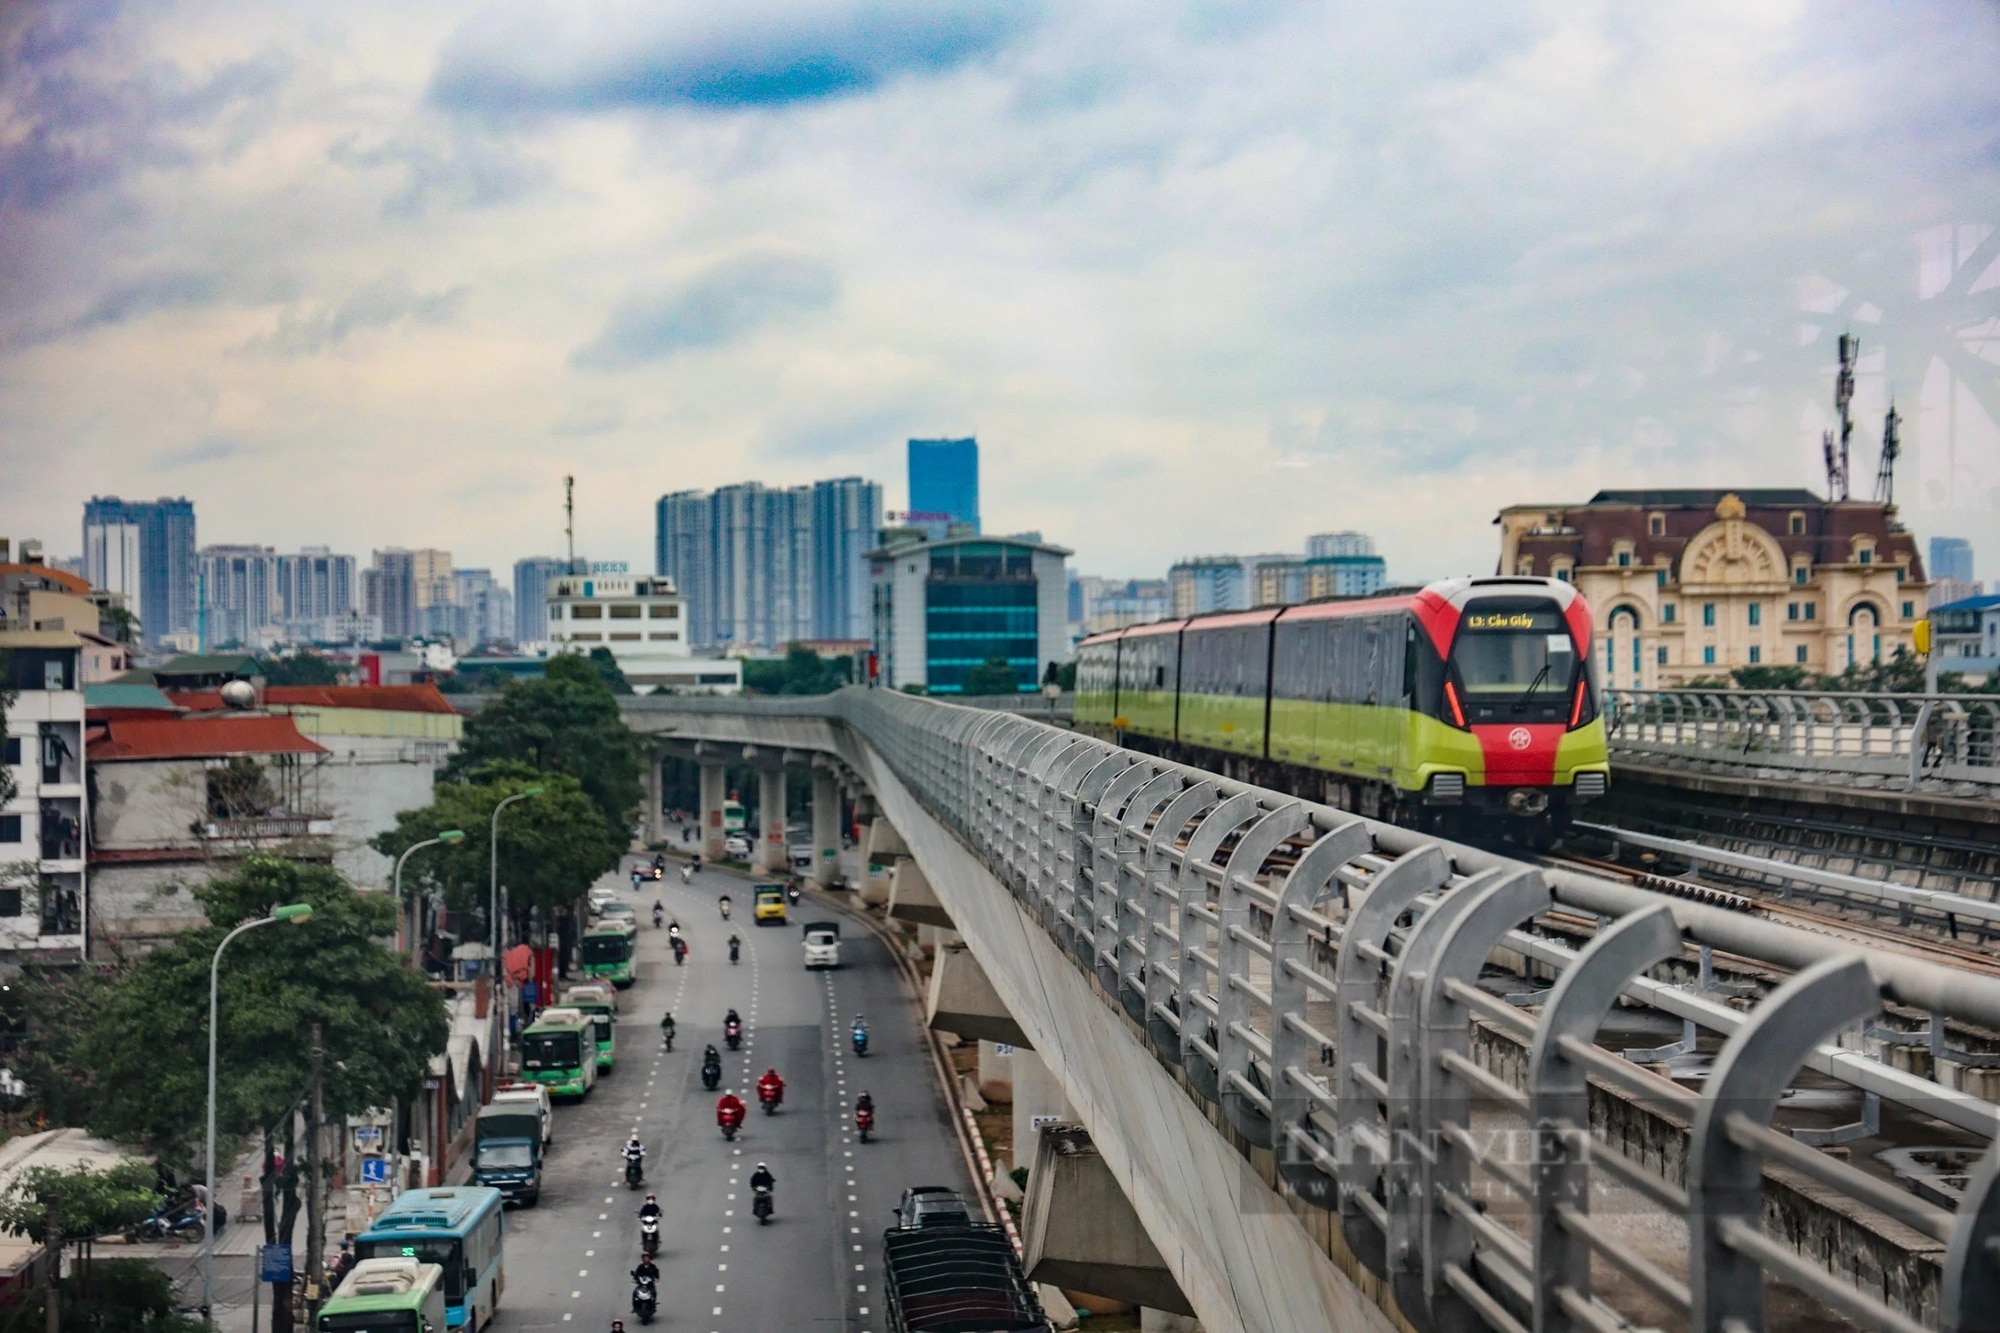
55 1247
569 522
315 1203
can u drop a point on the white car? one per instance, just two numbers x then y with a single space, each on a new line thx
599 896
736 847
822 944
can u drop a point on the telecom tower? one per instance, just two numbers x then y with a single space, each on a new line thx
1843 399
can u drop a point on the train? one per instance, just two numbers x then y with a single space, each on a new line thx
1467 708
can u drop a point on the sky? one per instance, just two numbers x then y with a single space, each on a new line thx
1200 278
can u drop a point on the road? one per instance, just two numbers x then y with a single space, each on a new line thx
817 1265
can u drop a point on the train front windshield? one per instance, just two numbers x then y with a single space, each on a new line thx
1514 655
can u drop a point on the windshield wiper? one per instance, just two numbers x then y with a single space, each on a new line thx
1521 704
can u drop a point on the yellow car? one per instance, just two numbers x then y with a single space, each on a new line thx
770 904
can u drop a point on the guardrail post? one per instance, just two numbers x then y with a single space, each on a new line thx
1086 942
1361 1072
1121 932
1071 891
1559 1098
1304 1160
1969 1290
1162 979
1196 1055
1244 1104
1725 1181
1446 1169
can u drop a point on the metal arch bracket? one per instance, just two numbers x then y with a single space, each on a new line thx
1191 887
1445 1026
1244 1105
1403 1181
1358 980
1969 1289
1162 974
1725 1182
1121 927
1107 824
1559 1097
1089 791
1299 1150
1057 819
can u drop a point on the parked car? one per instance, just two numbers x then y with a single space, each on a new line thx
599 896
736 847
619 911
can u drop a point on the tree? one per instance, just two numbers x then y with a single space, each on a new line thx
799 671
300 669
1772 678
145 1047
56 1207
608 671
118 623
553 847
566 722
1062 675
993 676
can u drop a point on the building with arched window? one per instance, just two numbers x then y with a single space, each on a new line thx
1693 584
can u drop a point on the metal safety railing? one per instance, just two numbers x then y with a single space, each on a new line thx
1899 739
1411 1028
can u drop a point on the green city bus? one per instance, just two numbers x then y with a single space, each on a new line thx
394 1295
594 1002
607 952
734 818
559 1051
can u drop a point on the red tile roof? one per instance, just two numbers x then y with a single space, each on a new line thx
385 698
76 583
196 738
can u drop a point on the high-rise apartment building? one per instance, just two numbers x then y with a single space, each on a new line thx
1331 545
238 595
1951 558
944 484
390 589
532 576
316 594
763 567
164 594
484 610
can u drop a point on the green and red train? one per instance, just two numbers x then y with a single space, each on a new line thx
1467 707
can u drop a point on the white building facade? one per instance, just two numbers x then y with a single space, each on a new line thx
43 833
643 622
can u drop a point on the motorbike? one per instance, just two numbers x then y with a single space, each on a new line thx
659 918
733 1034
734 950
687 874
860 1042
792 893
761 1207
179 1218
668 1035
730 1124
649 1235
769 1098
864 1121
645 1299
680 950
635 1173
725 909
711 1076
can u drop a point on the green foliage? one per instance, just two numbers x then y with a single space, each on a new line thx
1062 675
1772 678
86 1201
299 669
799 671
566 722
57 1005
993 676
112 1296
145 1045
116 621
553 847
609 671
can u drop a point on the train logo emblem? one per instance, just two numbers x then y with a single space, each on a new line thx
1519 738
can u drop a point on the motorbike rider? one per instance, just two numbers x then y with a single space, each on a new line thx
865 1102
763 1179
667 1028
723 903
647 1271
343 1264
731 1020
729 1110
659 860
634 1151
770 1088
659 913
711 1057
649 1211
687 874
735 945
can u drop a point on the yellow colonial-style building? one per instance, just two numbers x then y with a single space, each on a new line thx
1691 584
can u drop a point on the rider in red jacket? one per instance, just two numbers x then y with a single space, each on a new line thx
770 1088
729 1111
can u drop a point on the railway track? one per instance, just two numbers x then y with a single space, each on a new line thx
1862 935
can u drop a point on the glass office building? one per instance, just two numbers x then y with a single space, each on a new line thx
944 485
943 607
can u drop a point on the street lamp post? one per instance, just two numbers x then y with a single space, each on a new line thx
493 915
300 912
449 836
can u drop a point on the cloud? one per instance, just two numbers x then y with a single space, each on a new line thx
388 301
215 449
540 56
172 289
726 302
471 173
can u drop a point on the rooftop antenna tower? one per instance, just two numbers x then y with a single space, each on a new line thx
1837 471
1892 449
569 521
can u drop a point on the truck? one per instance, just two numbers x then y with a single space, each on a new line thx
507 1151
957 1279
535 1095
